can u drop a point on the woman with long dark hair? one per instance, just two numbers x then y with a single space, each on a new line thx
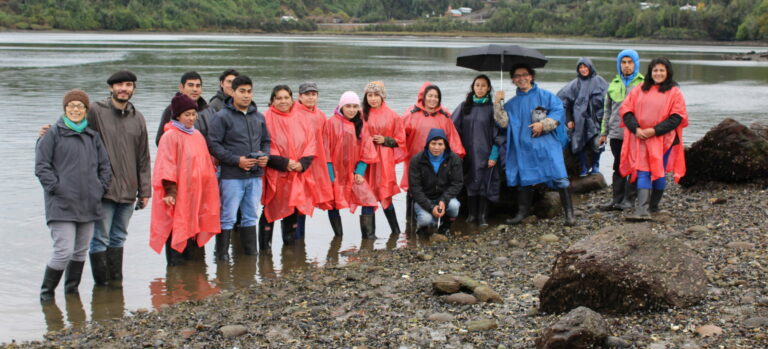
653 116
483 139
288 185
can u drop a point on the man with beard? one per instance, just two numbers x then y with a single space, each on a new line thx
192 86
124 132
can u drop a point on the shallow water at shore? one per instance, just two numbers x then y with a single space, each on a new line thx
38 68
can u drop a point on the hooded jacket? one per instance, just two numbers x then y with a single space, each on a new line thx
617 91
74 170
124 135
233 134
583 103
426 186
218 101
418 123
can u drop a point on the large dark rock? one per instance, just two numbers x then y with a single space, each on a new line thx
730 152
622 269
580 328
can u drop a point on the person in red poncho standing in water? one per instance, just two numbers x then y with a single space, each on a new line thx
653 117
315 119
388 134
185 211
289 185
349 150
426 114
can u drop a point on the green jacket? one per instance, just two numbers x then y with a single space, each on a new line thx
613 99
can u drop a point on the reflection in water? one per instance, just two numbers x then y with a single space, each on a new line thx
332 258
367 244
75 311
107 303
54 319
266 265
182 283
392 241
294 257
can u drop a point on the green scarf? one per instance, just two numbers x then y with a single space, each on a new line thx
79 127
478 100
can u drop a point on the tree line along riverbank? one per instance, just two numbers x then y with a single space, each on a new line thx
666 19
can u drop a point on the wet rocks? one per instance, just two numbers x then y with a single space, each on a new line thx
539 281
580 328
622 269
730 152
441 317
547 205
740 245
460 298
481 325
589 183
549 238
756 322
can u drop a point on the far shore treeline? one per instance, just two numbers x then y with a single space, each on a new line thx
722 20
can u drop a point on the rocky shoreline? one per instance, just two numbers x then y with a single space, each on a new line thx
385 299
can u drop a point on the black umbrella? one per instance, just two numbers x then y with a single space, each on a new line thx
500 57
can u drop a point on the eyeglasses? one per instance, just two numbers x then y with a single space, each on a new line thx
518 76
76 106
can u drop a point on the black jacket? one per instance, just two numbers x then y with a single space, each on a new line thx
233 134
426 186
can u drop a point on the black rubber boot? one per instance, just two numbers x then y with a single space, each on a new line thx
265 234
392 220
336 225
423 231
482 211
630 195
567 202
641 212
222 245
99 268
445 226
248 240
656 195
50 281
172 257
618 188
367 227
72 276
115 266
524 201
472 209
193 251
288 228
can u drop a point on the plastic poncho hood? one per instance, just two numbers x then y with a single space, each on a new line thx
635 58
584 98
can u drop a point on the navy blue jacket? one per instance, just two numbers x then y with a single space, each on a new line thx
233 134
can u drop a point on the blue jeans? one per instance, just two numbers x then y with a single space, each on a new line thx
425 218
112 228
644 177
244 194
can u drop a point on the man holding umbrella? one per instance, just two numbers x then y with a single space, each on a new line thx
535 139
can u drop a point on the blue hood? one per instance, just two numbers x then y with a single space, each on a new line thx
437 133
635 57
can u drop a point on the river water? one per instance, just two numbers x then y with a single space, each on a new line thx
38 68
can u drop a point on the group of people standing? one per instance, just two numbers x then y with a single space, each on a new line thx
220 163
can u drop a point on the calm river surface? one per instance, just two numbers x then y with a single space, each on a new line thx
38 68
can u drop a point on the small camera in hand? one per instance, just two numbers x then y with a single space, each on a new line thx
255 155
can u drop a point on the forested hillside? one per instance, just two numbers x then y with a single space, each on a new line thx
663 19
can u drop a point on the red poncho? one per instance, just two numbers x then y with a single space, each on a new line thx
184 159
323 193
285 192
417 123
650 108
343 149
381 175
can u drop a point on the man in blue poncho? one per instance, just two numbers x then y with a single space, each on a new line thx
535 140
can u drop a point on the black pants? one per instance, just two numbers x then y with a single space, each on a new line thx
616 151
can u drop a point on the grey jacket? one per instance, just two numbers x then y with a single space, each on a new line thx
233 134
124 134
74 170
